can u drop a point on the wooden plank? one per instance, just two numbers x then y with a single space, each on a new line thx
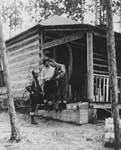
100 55
24 49
23 43
25 69
19 82
27 61
100 72
18 87
20 94
63 40
21 76
68 29
23 57
90 83
100 65
104 36
77 105
19 38
101 75
101 60
102 105
20 90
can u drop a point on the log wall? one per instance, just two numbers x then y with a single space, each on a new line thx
23 58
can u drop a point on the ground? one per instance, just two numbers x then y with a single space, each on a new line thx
51 135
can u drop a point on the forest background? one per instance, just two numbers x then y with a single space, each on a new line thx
19 15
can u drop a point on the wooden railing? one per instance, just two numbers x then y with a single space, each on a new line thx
102 89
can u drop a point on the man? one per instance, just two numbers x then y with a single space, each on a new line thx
36 95
49 83
61 81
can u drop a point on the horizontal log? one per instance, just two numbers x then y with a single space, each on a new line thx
100 65
27 68
23 43
28 61
24 49
22 89
23 57
21 93
101 60
20 73
62 40
101 72
100 55
66 29
103 105
20 83
21 76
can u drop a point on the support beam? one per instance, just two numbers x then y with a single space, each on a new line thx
90 85
42 55
62 40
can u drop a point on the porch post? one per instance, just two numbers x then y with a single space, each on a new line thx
42 54
41 45
90 82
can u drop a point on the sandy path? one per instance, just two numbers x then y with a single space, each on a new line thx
51 135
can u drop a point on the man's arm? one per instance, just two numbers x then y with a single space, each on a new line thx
61 67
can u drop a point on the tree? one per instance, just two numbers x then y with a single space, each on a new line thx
38 10
75 9
42 9
112 71
11 15
15 133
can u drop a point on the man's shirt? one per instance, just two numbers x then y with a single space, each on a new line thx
47 73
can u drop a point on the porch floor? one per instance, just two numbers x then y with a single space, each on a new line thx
102 105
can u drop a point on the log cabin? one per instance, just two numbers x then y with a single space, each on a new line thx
82 48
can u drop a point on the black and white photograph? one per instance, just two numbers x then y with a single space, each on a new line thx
60 74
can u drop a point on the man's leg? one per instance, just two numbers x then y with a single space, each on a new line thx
33 107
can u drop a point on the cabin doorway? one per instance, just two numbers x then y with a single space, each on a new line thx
74 59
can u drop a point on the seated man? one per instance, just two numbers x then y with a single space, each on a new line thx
36 95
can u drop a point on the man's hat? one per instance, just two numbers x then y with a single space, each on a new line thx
45 59
35 74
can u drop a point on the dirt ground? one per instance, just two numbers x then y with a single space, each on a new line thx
51 135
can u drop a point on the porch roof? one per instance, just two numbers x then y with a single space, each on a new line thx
61 24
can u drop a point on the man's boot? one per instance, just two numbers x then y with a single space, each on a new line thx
33 120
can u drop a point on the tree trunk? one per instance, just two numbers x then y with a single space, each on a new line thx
96 12
10 27
112 71
82 14
15 134
120 18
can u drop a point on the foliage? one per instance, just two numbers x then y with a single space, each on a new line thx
13 13
75 9
39 10
42 9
